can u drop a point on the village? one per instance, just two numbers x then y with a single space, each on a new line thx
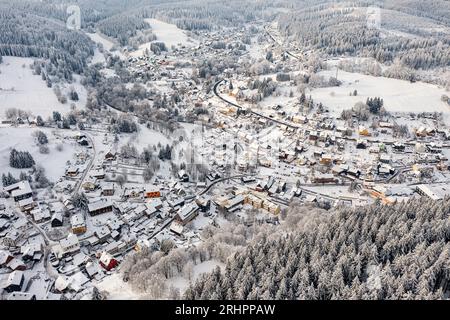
255 156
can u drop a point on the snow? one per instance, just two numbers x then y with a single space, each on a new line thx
398 95
168 33
19 88
204 267
143 138
107 45
117 288
22 139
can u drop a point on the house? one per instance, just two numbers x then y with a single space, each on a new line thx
111 155
361 144
325 178
91 269
326 159
183 176
57 219
176 228
132 193
40 215
89 184
152 192
83 142
20 190
102 233
97 173
18 296
234 203
31 251
26 205
67 246
425 190
12 238
108 189
16 264
363 131
107 261
77 223
72 171
398 147
100 206
14 282
187 213
5 257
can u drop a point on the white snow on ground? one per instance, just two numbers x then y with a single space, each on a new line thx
22 139
117 288
19 88
165 32
170 34
398 95
204 267
107 45
143 138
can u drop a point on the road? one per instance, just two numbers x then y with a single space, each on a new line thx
88 167
47 241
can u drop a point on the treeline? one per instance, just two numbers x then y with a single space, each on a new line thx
24 34
122 27
344 31
376 252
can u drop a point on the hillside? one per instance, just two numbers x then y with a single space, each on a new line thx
361 253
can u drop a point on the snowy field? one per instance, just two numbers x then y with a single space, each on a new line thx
22 139
143 138
19 88
117 288
398 95
170 34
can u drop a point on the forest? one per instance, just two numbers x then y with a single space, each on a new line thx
341 29
377 252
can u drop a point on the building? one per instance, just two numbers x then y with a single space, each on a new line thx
20 190
110 155
425 190
107 261
18 296
108 189
176 228
100 206
5 257
78 225
187 213
67 246
183 176
89 184
14 282
26 205
325 178
57 219
152 192
72 171
234 203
